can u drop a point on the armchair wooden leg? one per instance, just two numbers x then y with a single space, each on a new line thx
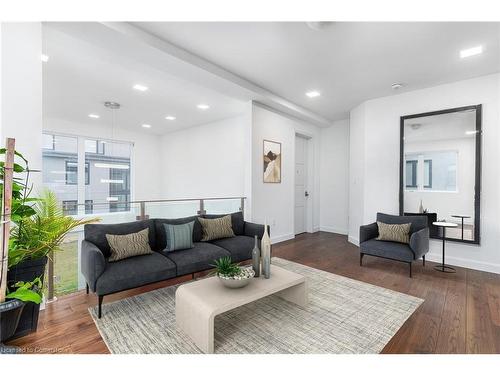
100 306
87 288
410 268
423 260
361 259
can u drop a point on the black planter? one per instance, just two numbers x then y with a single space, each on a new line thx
27 271
10 313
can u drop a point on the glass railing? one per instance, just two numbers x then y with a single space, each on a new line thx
63 271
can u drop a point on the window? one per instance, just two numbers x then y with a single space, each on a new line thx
411 173
70 207
428 174
48 142
93 146
72 173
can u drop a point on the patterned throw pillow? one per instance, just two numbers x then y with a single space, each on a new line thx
128 245
214 229
393 232
179 236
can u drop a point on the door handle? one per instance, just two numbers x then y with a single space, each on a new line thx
306 194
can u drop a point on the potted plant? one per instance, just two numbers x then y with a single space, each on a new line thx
231 274
38 229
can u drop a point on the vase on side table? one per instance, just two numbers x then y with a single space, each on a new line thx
266 253
256 257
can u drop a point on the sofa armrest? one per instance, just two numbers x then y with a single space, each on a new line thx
93 263
419 242
252 229
368 232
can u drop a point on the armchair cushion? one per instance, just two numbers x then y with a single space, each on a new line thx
419 242
92 263
387 249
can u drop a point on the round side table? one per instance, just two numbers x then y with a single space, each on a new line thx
443 267
462 217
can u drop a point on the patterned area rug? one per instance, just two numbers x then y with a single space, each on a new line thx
343 316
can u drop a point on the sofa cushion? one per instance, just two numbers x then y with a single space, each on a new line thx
96 233
240 247
124 246
133 272
179 236
237 222
214 229
200 258
161 239
386 249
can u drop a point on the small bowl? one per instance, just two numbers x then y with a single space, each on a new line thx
240 281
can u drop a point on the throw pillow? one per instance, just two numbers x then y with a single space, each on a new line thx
179 236
213 229
128 245
393 232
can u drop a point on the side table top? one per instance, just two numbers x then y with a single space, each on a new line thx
444 224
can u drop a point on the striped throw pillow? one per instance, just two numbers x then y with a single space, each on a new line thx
179 236
213 229
393 232
124 246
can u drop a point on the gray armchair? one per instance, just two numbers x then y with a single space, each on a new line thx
407 253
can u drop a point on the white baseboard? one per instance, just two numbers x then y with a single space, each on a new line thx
333 230
282 238
465 263
354 241
316 229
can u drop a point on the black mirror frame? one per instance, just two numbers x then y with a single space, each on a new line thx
477 186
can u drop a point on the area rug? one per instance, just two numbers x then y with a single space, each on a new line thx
343 316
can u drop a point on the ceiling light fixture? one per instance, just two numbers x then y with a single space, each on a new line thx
140 87
397 86
111 166
313 94
170 118
203 106
93 115
44 57
471 51
147 126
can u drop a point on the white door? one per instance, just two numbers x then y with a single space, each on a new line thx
300 184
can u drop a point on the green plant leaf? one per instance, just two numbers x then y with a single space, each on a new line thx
25 295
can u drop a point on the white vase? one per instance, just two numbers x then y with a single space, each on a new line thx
266 253
421 207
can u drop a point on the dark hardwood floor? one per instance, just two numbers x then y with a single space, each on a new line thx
461 312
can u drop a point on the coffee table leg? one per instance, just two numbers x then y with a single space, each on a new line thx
195 322
296 294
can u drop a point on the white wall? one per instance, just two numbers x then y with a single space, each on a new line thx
205 161
375 124
147 165
21 90
334 177
275 202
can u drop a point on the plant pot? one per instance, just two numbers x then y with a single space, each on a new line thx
238 281
27 271
10 313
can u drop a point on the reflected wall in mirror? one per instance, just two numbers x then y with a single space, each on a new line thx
440 170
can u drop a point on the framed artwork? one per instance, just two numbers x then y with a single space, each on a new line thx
272 162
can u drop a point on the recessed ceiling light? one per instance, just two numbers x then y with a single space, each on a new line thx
147 126
170 118
203 106
44 58
140 87
313 94
93 115
471 51
397 86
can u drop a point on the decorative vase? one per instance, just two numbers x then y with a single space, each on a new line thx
421 207
266 253
256 258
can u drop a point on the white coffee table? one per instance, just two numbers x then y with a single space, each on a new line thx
197 303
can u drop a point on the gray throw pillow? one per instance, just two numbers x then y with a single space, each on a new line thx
179 236
393 232
124 246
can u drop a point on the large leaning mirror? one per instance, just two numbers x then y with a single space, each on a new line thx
440 170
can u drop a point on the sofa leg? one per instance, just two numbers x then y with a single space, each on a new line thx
410 268
99 313
361 259
87 288
423 260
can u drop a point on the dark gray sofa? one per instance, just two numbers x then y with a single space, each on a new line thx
104 278
407 253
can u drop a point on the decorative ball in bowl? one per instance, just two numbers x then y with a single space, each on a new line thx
231 274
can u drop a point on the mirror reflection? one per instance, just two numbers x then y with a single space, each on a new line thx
440 169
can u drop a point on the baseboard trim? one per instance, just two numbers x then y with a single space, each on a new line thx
333 230
354 241
282 238
465 263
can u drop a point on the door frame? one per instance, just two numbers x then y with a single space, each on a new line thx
309 184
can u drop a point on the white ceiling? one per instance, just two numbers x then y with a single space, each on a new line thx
347 62
80 76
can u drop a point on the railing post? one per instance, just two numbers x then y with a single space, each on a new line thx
202 211
242 206
50 277
142 215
